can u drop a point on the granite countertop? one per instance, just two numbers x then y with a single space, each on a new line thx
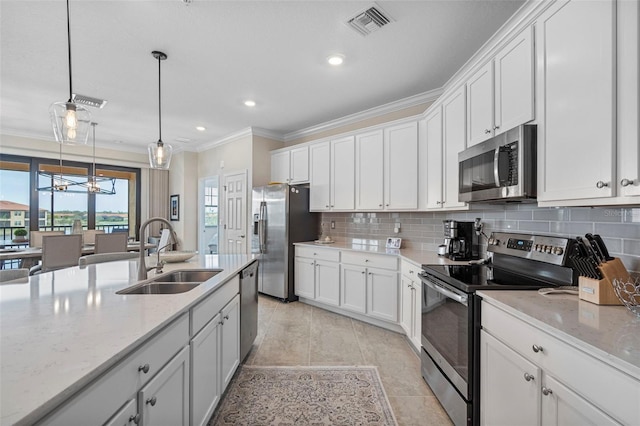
419 257
62 329
610 333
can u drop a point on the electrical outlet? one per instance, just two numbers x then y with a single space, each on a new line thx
333 224
396 228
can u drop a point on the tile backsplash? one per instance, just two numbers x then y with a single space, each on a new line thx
619 227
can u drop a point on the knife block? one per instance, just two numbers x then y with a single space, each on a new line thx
601 292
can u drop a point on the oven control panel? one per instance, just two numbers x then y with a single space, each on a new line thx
542 248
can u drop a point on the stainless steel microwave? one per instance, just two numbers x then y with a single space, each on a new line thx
502 168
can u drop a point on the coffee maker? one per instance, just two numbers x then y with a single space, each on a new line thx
461 240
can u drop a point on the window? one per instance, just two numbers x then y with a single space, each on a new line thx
57 210
210 206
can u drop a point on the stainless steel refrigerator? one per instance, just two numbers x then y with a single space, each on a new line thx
281 217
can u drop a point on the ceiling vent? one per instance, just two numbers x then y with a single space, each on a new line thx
369 20
88 100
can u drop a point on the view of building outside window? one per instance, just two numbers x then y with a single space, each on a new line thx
14 201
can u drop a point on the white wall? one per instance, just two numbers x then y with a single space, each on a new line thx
183 180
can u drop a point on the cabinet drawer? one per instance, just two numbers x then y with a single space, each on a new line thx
204 311
102 398
331 255
409 269
575 368
370 260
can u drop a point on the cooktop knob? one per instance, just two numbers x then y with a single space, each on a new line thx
547 249
558 251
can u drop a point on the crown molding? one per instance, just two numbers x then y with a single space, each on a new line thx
390 107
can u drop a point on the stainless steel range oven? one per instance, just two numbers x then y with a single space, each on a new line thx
451 311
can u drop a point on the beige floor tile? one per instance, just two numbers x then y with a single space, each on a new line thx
419 411
333 341
284 344
294 312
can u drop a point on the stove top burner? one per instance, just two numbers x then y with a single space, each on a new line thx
470 278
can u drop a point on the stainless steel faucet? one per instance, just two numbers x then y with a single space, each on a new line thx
142 267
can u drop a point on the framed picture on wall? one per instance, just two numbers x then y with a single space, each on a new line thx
174 207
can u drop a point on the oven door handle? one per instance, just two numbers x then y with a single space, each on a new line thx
460 298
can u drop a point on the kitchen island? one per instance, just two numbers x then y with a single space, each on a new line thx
61 330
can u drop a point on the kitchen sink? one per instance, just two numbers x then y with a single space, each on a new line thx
173 282
187 276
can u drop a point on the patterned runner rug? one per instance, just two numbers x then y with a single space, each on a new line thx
305 396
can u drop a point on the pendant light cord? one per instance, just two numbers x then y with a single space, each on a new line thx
94 150
69 47
159 100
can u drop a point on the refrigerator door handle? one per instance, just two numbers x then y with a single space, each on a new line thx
262 227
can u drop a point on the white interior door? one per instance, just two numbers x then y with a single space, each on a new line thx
208 218
235 213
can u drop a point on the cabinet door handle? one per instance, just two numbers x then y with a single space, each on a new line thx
226 317
411 272
379 205
362 272
528 377
152 401
600 184
487 131
410 286
135 419
626 182
546 391
327 206
144 368
537 348
387 205
496 127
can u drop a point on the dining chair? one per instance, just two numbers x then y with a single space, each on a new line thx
91 259
89 236
59 251
13 274
35 237
111 243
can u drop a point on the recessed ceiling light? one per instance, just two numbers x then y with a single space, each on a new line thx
250 103
335 60
201 128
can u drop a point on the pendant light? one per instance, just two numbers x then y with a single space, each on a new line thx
159 152
70 120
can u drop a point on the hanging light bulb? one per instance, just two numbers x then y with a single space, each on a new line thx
70 121
92 185
159 152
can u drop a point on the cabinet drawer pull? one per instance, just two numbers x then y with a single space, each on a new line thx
537 348
135 419
152 401
226 317
362 272
626 182
410 286
546 391
528 377
379 205
144 368
496 127
487 131
600 184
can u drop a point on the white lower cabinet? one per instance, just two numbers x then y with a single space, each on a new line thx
127 415
411 303
165 399
229 341
353 281
545 380
205 363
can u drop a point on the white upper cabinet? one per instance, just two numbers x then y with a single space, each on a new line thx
369 167
343 174
480 105
434 177
332 172
500 94
453 141
291 166
576 100
628 76
401 167
320 176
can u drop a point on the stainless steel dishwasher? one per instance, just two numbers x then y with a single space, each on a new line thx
248 308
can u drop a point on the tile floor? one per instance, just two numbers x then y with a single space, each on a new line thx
299 334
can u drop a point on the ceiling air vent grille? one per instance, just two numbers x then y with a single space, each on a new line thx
88 100
369 20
